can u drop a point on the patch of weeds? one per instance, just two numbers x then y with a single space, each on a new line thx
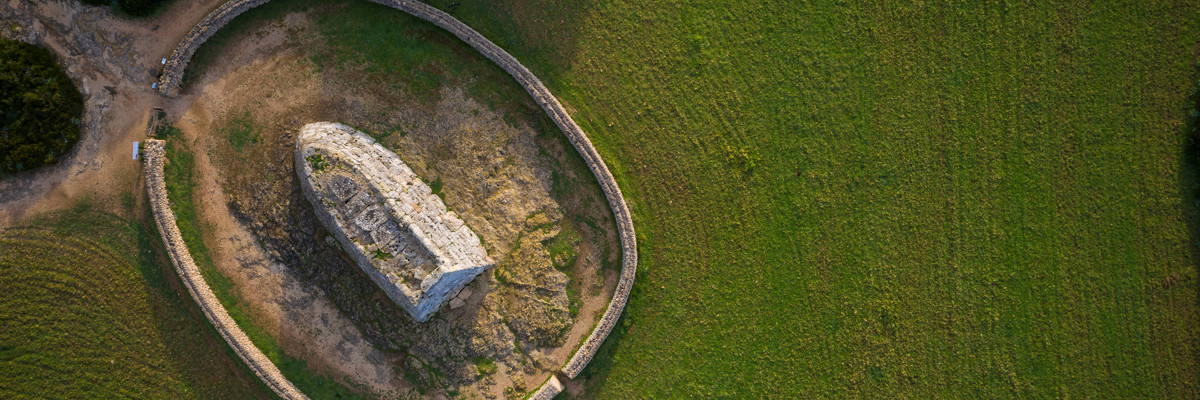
486 366
317 162
574 301
241 131
399 131
375 135
436 188
166 131
381 255
562 247
500 275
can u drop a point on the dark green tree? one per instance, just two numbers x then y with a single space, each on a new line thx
40 107
139 8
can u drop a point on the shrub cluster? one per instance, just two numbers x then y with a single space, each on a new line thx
40 107
137 8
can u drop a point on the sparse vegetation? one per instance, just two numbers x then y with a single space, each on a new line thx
40 107
317 162
484 365
436 188
240 131
180 186
381 255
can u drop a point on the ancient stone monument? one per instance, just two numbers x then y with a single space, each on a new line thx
387 218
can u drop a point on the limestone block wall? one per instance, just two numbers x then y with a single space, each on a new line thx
372 201
173 74
551 388
190 275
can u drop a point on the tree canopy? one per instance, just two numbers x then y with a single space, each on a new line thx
40 107
137 8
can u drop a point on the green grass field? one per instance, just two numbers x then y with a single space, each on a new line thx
899 200
88 310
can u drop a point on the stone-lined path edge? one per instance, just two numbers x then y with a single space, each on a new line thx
172 77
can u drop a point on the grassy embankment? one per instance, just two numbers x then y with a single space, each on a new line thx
90 309
181 182
841 200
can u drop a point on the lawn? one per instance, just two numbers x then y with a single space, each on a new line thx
894 200
887 200
90 310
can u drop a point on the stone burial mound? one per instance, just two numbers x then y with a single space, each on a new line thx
386 218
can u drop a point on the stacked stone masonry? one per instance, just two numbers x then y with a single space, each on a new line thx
181 258
551 388
173 74
397 230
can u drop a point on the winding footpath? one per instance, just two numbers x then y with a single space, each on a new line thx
169 84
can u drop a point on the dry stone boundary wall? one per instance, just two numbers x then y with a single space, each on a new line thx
173 74
182 259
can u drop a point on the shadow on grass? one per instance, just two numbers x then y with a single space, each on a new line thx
1190 174
597 370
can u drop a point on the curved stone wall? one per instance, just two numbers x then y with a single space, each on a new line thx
156 187
549 390
173 74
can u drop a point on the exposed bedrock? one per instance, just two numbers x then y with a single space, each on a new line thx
386 218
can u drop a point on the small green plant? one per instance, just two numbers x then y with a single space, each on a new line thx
484 365
381 255
436 188
316 161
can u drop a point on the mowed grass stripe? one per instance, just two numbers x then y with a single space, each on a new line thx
86 302
86 313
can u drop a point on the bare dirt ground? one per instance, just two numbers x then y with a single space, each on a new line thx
113 61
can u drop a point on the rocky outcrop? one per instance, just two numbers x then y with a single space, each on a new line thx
396 229
173 74
190 275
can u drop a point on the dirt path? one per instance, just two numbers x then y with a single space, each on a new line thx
113 61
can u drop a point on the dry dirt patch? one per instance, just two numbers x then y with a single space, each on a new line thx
503 177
